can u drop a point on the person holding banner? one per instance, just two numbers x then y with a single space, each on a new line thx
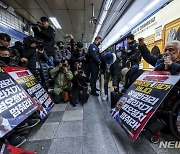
169 61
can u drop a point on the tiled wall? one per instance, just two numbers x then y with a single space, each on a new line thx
10 20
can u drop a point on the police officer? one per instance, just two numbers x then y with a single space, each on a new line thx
94 62
133 59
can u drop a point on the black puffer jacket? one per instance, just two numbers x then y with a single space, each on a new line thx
37 64
115 70
48 36
133 53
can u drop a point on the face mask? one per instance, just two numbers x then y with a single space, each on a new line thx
69 48
61 47
6 60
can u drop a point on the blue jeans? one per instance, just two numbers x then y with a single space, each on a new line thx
51 61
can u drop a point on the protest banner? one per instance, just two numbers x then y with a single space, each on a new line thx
30 84
9 149
15 104
142 99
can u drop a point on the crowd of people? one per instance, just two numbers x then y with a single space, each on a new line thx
70 68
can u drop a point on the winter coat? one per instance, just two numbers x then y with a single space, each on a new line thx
62 54
75 58
158 62
115 71
37 64
48 37
62 79
133 53
93 54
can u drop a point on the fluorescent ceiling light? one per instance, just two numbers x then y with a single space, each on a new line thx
55 22
150 6
103 16
108 4
136 18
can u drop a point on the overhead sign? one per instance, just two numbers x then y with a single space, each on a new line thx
141 100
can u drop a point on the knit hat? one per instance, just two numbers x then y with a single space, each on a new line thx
110 58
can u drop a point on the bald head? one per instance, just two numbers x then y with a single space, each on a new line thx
173 49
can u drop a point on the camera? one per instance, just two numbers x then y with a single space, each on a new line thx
39 24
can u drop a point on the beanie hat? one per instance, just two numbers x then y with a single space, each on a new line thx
110 58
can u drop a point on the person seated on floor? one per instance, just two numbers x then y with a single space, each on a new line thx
80 86
63 76
170 61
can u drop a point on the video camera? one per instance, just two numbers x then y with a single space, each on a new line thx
39 24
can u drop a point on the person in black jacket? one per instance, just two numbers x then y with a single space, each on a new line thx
94 62
133 53
47 34
80 86
171 64
113 69
36 60
79 55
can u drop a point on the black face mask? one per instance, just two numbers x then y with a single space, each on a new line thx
6 60
69 48
61 47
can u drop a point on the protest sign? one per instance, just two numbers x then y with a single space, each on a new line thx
15 104
142 99
30 84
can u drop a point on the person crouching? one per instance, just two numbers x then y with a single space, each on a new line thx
80 86
63 76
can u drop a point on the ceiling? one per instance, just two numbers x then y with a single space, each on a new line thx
73 15
118 8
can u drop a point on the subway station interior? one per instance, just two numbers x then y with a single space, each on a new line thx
89 77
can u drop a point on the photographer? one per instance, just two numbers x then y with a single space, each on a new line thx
80 86
63 76
47 34
36 59
79 55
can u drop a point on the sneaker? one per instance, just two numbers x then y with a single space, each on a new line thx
104 98
156 138
16 140
94 94
32 122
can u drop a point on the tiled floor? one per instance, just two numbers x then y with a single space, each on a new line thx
87 129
